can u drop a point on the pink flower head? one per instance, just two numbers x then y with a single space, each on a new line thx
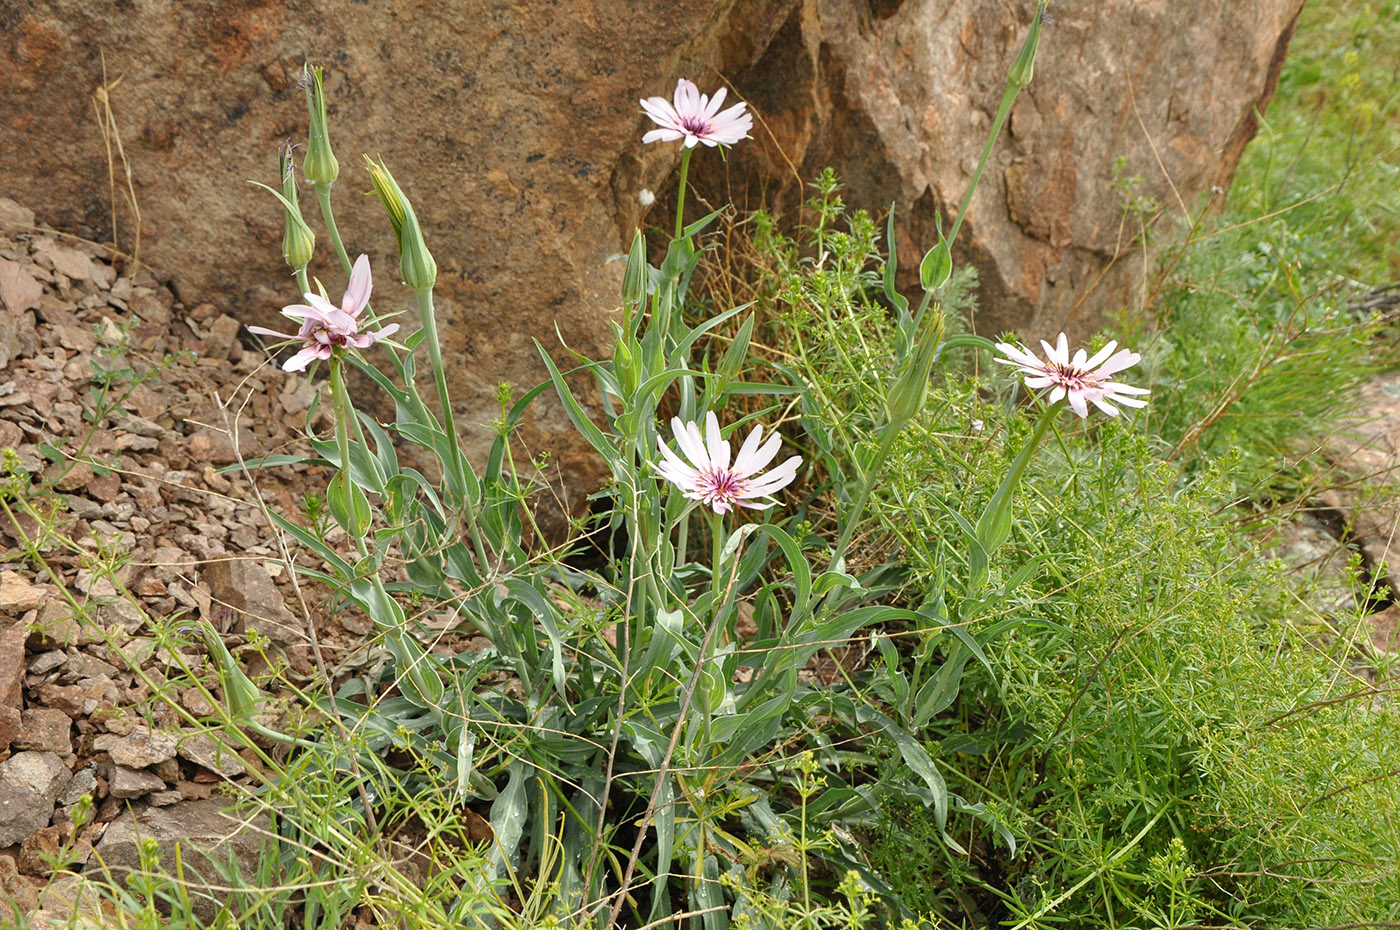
326 327
1082 379
695 117
708 477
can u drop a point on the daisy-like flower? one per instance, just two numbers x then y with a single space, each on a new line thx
326 327
1081 379
709 477
695 117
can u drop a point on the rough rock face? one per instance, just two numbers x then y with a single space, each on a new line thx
899 98
515 129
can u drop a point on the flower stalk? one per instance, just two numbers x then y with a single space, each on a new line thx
680 195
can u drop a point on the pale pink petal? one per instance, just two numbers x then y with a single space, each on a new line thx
305 357
715 444
687 98
1105 406
264 331
775 480
746 466
357 294
322 306
1117 363
1076 402
663 135
1100 355
712 106
690 443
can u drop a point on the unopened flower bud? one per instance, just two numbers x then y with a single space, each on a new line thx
320 164
1023 68
625 356
415 261
906 398
298 241
240 694
634 276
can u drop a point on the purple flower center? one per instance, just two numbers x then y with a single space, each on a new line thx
1071 378
696 125
719 485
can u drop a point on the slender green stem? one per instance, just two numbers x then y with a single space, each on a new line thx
680 197
867 483
716 569
1008 98
303 281
323 197
344 416
456 463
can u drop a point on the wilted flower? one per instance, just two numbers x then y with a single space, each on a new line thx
695 117
325 327
1082 379
710 478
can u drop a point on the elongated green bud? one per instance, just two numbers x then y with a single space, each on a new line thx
625 357
634 278
298 241
240 694
910 389
1023 68
320 164
415 261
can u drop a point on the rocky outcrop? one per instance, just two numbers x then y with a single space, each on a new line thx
515 129
899 97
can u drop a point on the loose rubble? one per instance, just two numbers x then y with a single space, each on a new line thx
145 532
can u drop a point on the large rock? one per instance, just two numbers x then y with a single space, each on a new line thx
207 836
899 98
514 126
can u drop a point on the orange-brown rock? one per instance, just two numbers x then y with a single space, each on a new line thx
514 127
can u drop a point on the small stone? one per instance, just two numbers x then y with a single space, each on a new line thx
83 784
223 336
127 783
67 698
40 772
104 487
18 289
18 595
101 273
46 662
78 476
41 848
22 812
165 798
245 586
13 886
70 262
12 664
202 750
192 700
46 730
138 749
15 217
10 720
